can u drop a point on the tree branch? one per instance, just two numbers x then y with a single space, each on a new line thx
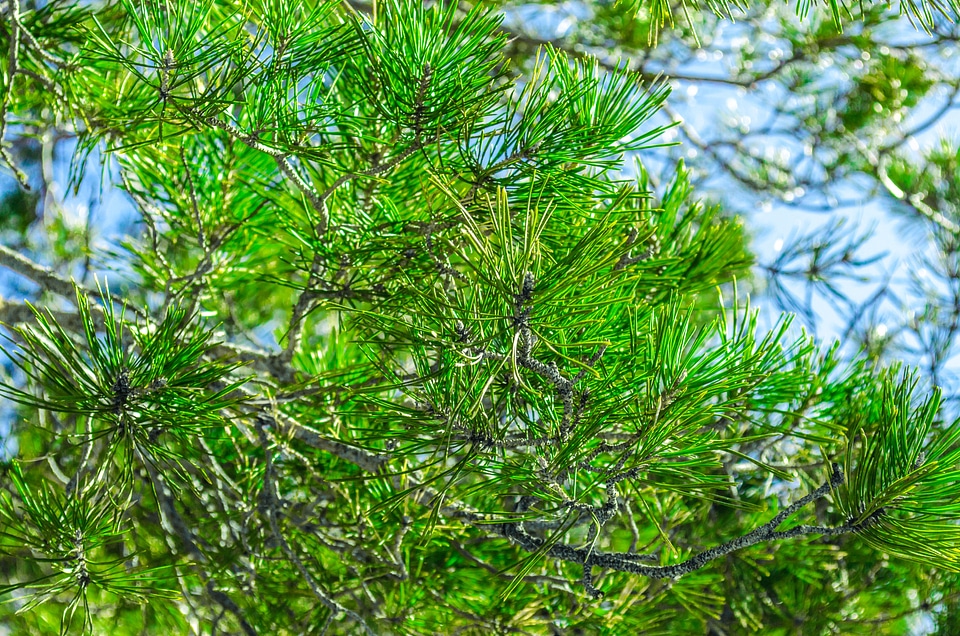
626 562
268 502
52 282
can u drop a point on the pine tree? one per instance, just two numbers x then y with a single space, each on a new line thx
845 113
513 390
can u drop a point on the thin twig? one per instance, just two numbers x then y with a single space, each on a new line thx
13 65
201 238
269 501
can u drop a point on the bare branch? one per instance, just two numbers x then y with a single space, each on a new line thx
51 281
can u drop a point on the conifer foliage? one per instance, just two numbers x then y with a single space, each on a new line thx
509 390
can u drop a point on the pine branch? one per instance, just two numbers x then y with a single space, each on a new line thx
12 313
282 159
626 562
43 276
366 460
13 65
52 282
189 541
525 358
268 502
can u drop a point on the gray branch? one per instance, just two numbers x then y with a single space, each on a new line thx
627 562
